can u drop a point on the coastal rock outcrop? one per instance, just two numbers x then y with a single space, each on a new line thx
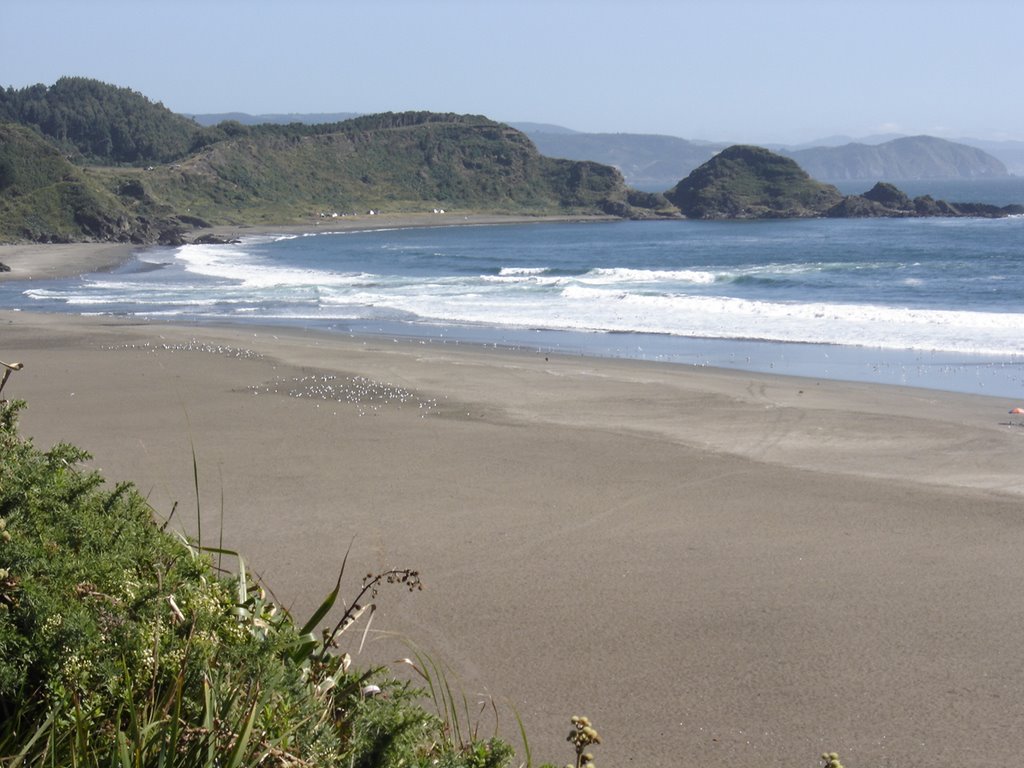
746 182
889 196
885 200
212 239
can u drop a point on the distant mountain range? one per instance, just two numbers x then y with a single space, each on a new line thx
653 162
647 161
913 157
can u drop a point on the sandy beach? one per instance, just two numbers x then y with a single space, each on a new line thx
717 568
34 261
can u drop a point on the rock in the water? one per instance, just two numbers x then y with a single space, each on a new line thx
211 239
745 182
889 196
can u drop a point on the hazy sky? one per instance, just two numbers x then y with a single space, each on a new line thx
724 70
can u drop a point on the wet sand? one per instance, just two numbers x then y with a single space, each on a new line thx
718 568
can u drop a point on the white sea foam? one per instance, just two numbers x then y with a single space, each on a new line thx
620 275
522 271
236 264
590 309
540 279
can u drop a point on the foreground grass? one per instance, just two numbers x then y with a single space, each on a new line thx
121 645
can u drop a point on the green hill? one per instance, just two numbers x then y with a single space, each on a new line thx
751 182
102 123
46 198
746 182
91 161
409 161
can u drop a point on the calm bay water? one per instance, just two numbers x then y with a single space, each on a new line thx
924 302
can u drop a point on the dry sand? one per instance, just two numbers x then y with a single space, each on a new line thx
31 261
718 568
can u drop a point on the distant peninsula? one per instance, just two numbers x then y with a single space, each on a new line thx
84 161
747 182
653 162
909 157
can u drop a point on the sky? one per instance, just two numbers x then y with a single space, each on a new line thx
768 71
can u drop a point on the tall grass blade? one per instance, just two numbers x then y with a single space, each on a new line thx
243 587
242 740
178 694
44 729
325 606
122 750
526 741
220 537
174 508
453 712
195 481
208 718
366 629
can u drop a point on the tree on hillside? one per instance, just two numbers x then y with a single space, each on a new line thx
101 122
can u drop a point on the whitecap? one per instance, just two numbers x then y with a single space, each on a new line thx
624 275
522 271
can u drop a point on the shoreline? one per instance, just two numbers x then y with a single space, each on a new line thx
44 261
1000 376
695 558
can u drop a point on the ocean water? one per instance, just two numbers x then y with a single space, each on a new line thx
924 302
1000 191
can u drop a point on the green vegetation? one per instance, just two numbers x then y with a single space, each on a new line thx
395 162
100 122
139 173
122 645
46 198
751 182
